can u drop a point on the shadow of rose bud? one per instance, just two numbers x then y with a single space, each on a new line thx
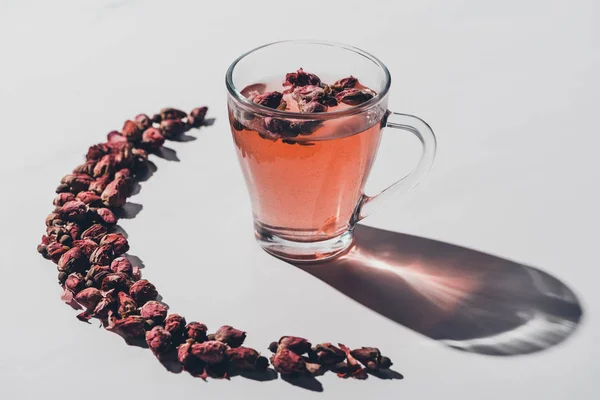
117 281
106 215
152 139
175 325
131 131
73 260
106 166
328 354
115 194
172 127
171 113
296 344
56 250
102 255
77 182
211 352
86 168
123 265
98 185
159 340
74 210
106 304
245 358
230 336
74 282
62 198
89 198
131 327
126 304
287 362
154 310
196 331
143 122
89 297
117 241
86 245
142 291
94 232
196 116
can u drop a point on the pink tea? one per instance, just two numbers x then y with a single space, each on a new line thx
306 178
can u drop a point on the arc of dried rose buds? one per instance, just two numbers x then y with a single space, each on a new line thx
95 274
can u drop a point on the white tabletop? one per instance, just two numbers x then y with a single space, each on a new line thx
512 92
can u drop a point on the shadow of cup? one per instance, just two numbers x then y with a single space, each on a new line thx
466 299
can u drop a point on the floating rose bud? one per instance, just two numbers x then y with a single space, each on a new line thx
353 97
196 331
142 291
154 310
230 336
117 281
301 78
345 83
61 199
117 241
296 344
152 139
131 131
159 340
313 107
329 354
143 122
89 297
106 215
269 99
287 362
175 325
171 113
74 210
73 260
196 116
94 232
127 305
211 352
103 255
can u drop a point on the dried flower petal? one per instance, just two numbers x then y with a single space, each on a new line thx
154 310
189 362
142 291
196 331
354 369
143 122
353 97
77 182
115 194
159 340
86 168
230 336
117 241
106 304
244 358
74 282
345 83
115 136
100 184
315 369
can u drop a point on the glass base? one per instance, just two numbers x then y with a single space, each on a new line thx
305 251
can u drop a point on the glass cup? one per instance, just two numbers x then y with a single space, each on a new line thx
305 172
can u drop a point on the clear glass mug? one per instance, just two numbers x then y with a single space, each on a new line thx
305 172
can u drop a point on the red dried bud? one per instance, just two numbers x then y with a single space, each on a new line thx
345 83
196 331
296 344
269 99
56 250
74 282
106 304
131 131
97 273
244 358
313 107
301 78
73 229
107 216
171 113
123 154
61 199
142 291
154 310
115 194
53 219
89 297
211 352
196 116
97 151
86 168
353 97
276 125
143 122
366 354
73 260
354 369
130 327
77 182
115 136
152 139
103 255
127 305
123 265
328 354
86 245
90 198
230 336
288 362
94 232
117 241
117 281
187 360
100 184
140 157
106 166
74 210
172 127
314 369
175 325
159 340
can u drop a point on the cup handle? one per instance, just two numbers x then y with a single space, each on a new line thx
419 128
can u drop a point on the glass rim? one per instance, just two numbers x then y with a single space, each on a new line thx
238 96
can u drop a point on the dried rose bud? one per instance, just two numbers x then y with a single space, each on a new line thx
313 107
156 118
354 369
140 158
56 250
117 241
276 125
43 250
152 139
86 168
171 113
187 359
89 297
172 127
62 188
123 154
296 344
196 331
196 116
159 340
154 310
143 122
106 166
288 362
366 354
142 291
94 232
117 281
122 264
273 347
86 245
74 282
115 194
127 305
62 198
314 369
100 184
90 198
106 304
230 336
52 217
97 273
106 215
385 362
136 274
131 131
131 327
345 83
103 255
175 324
56 234
329 354
245 358
353 97
269 99
211 352
301 78
74 210
97 151
77 182
115 136
73 261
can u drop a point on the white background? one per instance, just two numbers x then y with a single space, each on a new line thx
511 89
